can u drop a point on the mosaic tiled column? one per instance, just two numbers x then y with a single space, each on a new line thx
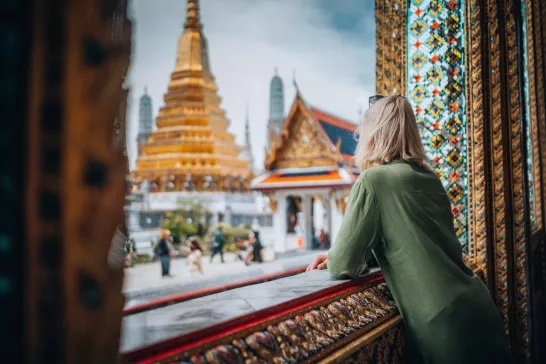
436 83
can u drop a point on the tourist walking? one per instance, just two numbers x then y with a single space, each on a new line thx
399 209
218 243
164 252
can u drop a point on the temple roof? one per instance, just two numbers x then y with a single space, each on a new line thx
338 131
314 149
323 139
301 178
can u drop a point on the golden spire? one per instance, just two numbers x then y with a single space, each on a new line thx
192 52
192 15
192 136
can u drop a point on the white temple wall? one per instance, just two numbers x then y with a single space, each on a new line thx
280 222
215 201
318 216
307 223
336 218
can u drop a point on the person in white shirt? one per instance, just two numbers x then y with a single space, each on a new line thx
195 267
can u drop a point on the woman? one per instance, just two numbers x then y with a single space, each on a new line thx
194 257
399 208
255 248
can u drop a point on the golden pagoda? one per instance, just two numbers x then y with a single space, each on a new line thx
192 150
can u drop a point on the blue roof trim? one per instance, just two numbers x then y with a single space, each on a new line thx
348 142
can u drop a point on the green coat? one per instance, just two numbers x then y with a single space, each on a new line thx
218 241
402 212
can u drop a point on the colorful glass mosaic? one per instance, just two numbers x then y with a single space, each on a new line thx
530 185
436 91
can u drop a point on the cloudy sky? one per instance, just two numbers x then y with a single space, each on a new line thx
329 46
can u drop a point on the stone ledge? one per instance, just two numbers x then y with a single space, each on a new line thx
292 319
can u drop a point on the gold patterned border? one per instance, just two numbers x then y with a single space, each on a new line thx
305 335
391 47
517 178
383 344
477 232
497 164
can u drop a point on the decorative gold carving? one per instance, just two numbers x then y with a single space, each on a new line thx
384 344
477 238
312 333
391 47
518 185
497 160
301 142
273 203
341 205
303 148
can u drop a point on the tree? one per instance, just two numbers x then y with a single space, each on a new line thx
192 208
183 222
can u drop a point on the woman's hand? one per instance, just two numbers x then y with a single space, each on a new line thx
320 262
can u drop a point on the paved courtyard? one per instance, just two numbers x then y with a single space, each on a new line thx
143 282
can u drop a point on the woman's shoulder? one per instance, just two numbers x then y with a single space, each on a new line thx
375 176
383 178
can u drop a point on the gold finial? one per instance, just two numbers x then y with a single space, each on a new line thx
192 15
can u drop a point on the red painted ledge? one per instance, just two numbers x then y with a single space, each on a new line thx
174 346
171 300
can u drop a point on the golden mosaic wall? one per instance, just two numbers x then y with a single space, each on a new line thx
390 46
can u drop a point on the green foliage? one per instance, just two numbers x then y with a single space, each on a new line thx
231 235
194 209
183 222
141 258
179 227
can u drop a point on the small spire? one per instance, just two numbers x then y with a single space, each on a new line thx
192 15
296 84
248 148
276 71
145 90
247 118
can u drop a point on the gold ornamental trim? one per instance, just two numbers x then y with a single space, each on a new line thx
306 335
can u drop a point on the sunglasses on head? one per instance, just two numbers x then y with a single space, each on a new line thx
374 99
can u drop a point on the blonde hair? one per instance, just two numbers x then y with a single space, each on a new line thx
387 132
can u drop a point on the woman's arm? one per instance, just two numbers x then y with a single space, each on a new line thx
358 234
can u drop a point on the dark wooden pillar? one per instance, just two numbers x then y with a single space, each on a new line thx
70 186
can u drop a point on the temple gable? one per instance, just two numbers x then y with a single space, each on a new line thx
302 142
304 147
